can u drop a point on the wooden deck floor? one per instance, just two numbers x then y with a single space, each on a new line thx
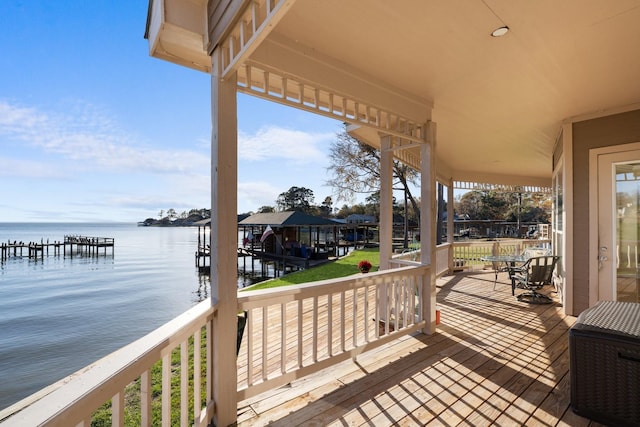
493 361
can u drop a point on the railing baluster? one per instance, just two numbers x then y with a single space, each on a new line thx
145 398
184 383
395 308
197 375
117 409
315 329
366 313
299 333
265 330
377 310
283 339
330 325
412 299
420 297
249 328
209 356
388 289
354 315
166 390
407 302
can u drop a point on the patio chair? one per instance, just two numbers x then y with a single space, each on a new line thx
533 275
512 268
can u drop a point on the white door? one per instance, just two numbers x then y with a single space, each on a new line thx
618 234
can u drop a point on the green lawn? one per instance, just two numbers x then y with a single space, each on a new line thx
342 267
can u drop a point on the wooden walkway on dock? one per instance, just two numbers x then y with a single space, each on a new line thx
71 246
493 361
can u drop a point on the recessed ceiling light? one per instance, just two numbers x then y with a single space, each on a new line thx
499 32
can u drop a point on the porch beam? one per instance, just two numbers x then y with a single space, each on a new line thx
224 236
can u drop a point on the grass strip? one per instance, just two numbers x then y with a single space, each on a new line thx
342 267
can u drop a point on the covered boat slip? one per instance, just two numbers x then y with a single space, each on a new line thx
493 361
296 240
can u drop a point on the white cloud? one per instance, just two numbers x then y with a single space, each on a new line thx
88 135
253 195
18 168
275 142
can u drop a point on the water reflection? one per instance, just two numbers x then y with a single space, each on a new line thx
204 287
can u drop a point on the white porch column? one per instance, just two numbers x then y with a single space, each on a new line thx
450 214
450 210
386 202
224 241
428 215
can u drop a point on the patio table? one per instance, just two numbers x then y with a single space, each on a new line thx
510 262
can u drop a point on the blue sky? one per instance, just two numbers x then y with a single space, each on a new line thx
94 129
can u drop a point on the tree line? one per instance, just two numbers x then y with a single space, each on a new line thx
355 170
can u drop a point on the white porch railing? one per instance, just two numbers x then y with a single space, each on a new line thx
140 372
412 257
409 257
291 332
297 330
471 252
444 252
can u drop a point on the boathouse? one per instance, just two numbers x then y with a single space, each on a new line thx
295 234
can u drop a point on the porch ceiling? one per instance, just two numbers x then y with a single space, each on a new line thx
498 102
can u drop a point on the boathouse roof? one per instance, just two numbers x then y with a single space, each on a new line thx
207 221
288 218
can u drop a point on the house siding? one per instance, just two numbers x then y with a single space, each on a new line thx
623 128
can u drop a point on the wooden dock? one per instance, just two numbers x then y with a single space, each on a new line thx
72 245
282 263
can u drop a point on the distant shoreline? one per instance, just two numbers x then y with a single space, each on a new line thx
165 222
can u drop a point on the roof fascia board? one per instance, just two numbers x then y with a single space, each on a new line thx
221 17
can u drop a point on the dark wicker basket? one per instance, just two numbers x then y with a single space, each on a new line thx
604 346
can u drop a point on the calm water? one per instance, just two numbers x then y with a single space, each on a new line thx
57 315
